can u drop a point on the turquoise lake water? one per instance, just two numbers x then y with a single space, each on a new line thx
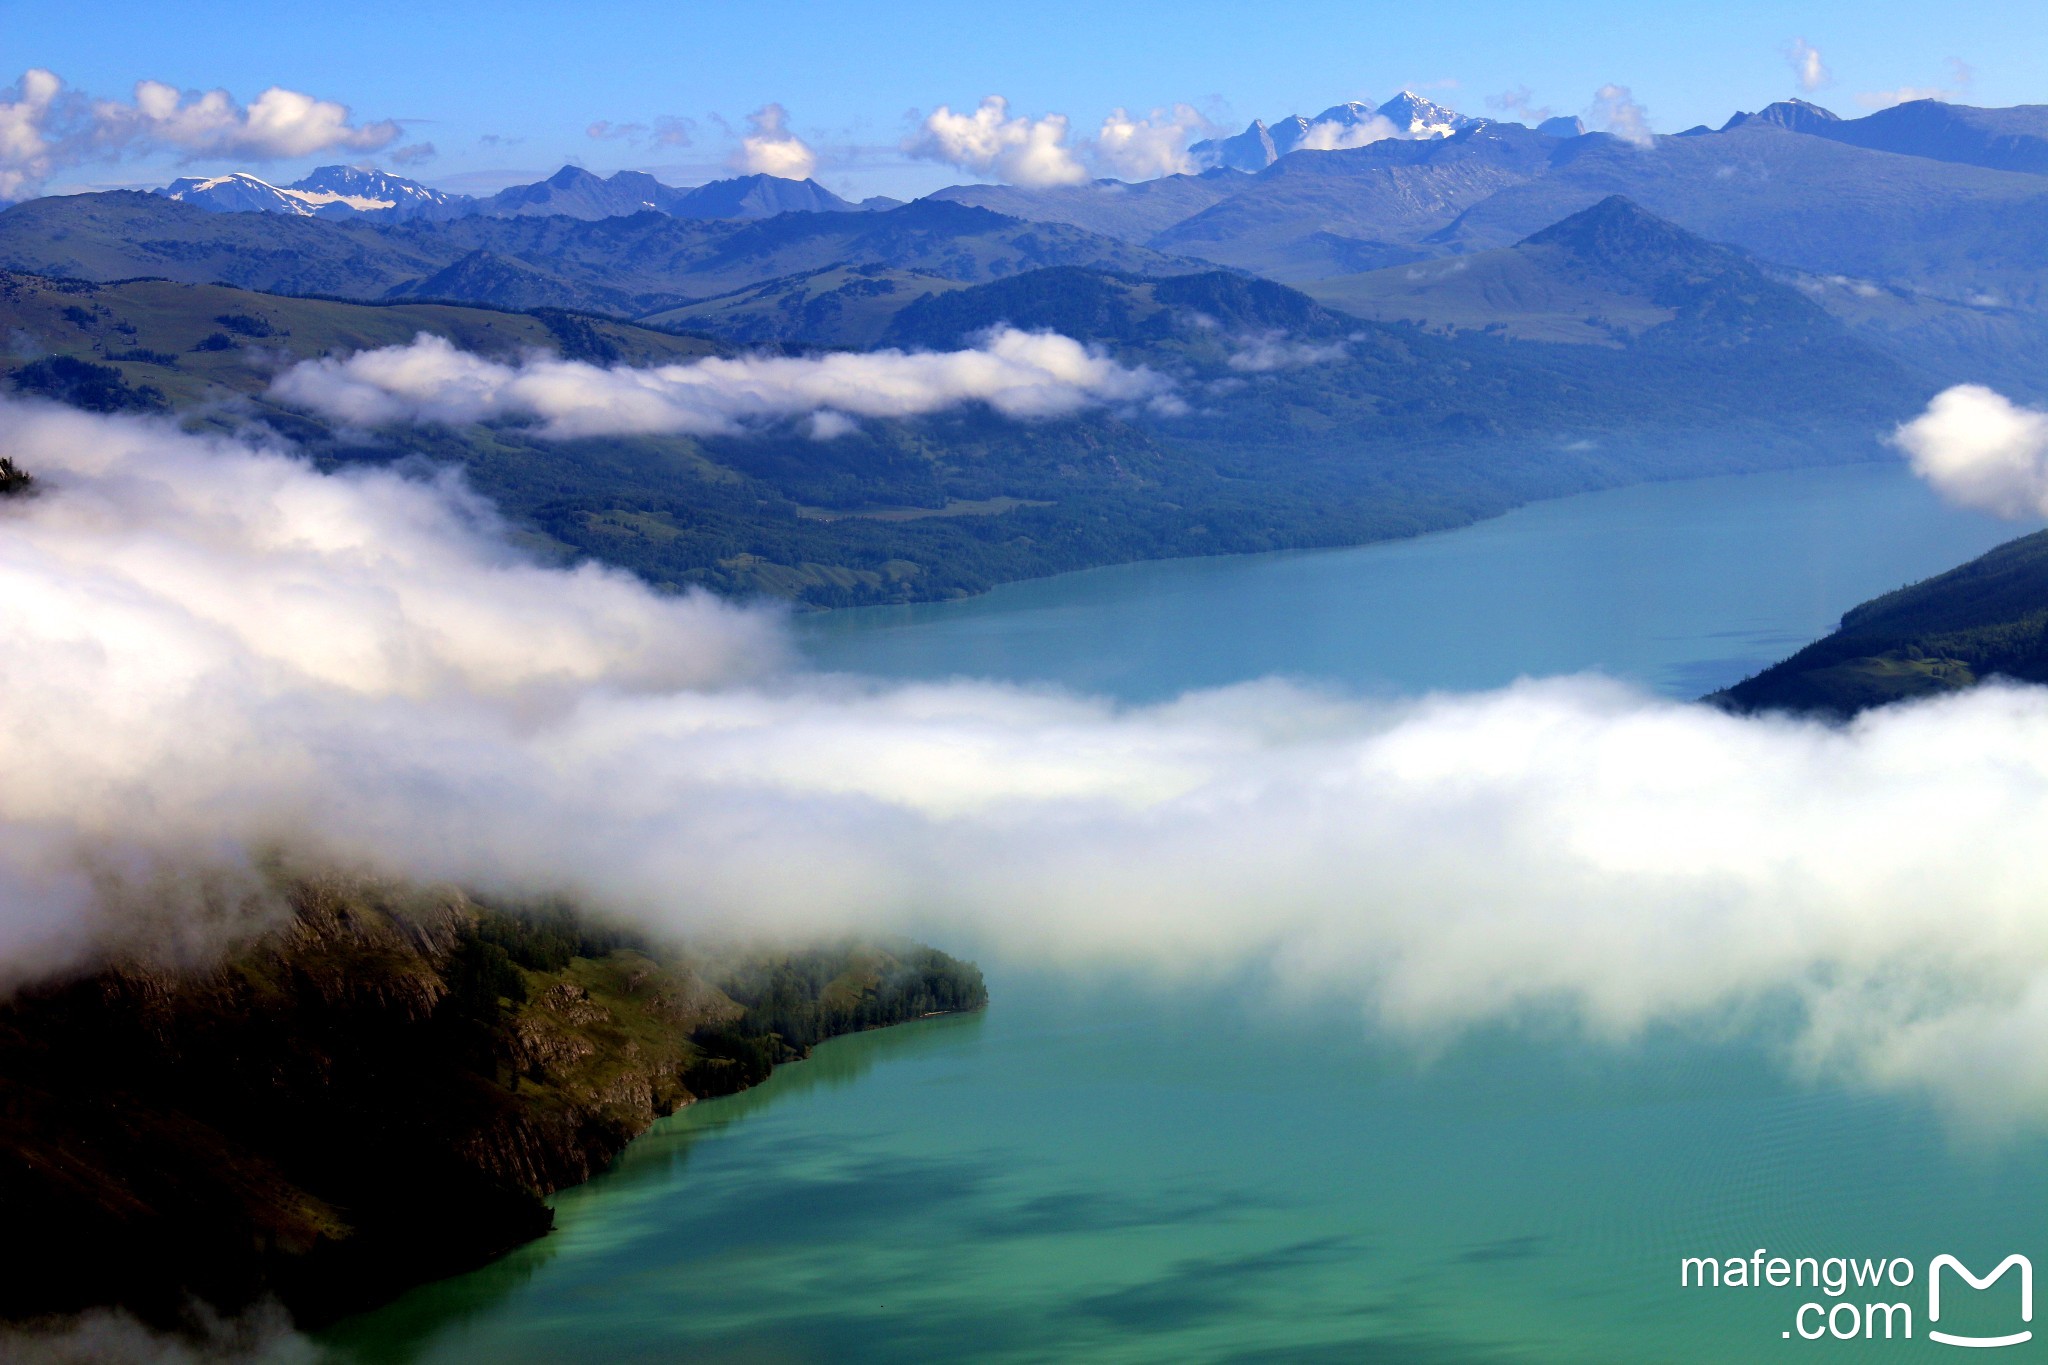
1109 1170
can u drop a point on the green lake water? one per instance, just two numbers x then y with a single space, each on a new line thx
1110 1169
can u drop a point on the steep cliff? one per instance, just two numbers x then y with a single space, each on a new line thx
379 1091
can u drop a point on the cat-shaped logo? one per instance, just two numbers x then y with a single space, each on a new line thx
1934 1298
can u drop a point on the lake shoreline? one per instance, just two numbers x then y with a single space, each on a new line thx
383 1090
811 611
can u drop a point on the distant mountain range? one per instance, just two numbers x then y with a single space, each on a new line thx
329 192
1604 276
1355 187
1930 244
2014 139
1353 124
1921 227
1305 425
344 192
626 266
573 192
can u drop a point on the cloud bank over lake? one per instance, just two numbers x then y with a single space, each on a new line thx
213 651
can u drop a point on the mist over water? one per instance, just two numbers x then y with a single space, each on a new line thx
226 653
1110 1167
223 652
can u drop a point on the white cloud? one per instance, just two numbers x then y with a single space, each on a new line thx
277 125
1981 450
44 128
1961 76
666 131
1521 102
1905 94
26 154
262 1336
1019 374
770 148
212 650
1614 110
1132 148
994 143
1277 351
1332 135
1807 67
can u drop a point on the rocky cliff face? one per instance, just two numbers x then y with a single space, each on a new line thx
379 1092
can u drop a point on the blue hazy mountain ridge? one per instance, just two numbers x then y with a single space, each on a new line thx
1550 288
1328 213
576 193
2013 139
1933 254
1901 233
1133 211
1799 116
346 192
1407 114
1309 427
1602 277
677 259
1805 202
1694 306
642 263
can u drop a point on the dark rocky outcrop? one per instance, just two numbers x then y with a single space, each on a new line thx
378 1092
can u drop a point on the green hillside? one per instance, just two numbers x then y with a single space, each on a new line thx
838 305
1303 427
197 343
1988 618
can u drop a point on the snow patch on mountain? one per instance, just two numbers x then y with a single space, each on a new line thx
1354 123
328 192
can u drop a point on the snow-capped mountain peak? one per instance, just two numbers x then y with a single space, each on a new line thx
329 192
239 192
1414 116
1349 114
368 189
349 191
1355 123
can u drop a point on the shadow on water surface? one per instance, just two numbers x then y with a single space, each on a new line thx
407 1329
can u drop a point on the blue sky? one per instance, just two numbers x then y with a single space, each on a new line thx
505 91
